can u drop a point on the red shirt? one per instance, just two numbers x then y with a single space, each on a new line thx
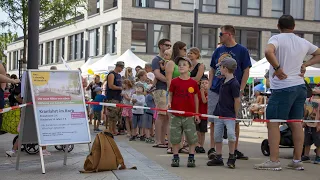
183 92
203 107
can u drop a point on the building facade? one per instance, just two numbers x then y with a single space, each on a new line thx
113 26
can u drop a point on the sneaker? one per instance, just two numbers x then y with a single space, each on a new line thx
191 162
231 163
11 153
175 162
295 165
215 162
240 155
197 149
269 165
317 160
212 154
133 138
305 159
46 153
202 150
142 138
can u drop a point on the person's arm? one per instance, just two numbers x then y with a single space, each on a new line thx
19 99
314 60
169 70
111 83
159 76
236 105
140 101
199 74
169 100
203 96
88 87
244 79
5 79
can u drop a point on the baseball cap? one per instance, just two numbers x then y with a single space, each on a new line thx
120 63
229 63
97 89
150 76
177 59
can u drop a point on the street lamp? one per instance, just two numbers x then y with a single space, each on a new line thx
195 23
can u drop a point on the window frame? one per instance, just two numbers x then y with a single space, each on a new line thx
275 10
260 7
146 37
113 45
155 44
303 10
318 38
214 39
204 4
151 4
235 7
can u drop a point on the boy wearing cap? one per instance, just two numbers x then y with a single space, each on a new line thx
97 109
228 106
137 99
183 96
149 114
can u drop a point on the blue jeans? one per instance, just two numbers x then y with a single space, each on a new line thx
287 103
219 130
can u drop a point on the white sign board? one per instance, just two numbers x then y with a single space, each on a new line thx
59 107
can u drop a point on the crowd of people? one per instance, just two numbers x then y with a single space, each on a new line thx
175 80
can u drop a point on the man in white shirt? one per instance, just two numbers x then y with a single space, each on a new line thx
285 53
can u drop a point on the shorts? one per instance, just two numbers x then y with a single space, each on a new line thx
114 113
219 130
287 103
97 115
311 136
180 124
127 112
214 98
202 126
147 120
137 120
160 99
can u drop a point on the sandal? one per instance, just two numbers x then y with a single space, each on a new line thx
169 151
160 146
149 141
184 151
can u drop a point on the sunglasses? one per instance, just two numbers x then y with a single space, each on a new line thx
221 33
168 45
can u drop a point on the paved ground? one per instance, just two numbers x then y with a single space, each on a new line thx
152 163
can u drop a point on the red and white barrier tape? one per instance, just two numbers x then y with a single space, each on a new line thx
197 114
172 111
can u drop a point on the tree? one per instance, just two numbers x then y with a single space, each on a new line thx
5 39
52 12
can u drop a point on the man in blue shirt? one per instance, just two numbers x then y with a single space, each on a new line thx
238 52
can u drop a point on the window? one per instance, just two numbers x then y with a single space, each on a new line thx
274 33
238 36
254 7
208 41
15 60
299 34
139 37
94 42
186 36
187 5
234 7
76 46
108 4
49 52
209 6
98 6
159 32
9 60
297 9
163 4
316 40
111 39
316 10
60 49
253 44
41 54
141 3
277 8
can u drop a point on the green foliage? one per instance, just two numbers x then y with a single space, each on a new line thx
5 39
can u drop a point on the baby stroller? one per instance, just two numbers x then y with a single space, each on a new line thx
286 140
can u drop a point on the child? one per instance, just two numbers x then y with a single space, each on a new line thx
97 109
127 93
311 134
202 127
183 96
148 119
137 99
228 105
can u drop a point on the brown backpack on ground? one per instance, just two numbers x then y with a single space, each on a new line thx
104 155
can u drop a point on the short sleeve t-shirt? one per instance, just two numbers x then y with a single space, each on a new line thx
128 92
228 91
156 65
98 98
183 92
203 107
237 52
290 51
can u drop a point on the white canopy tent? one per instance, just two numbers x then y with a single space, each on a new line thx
259 69
101 65
253 61
85 66
130 60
